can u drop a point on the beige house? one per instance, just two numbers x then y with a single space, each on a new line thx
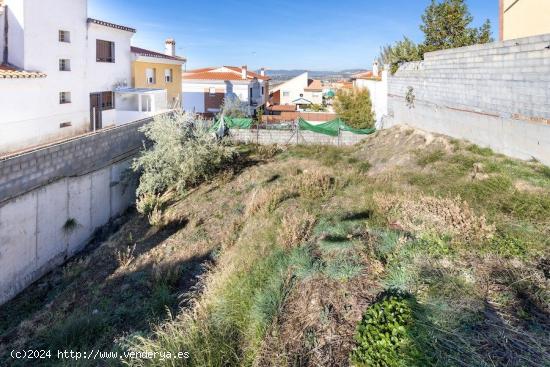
524 18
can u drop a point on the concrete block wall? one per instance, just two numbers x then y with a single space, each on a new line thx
32 238
27 171
496 95
285 137
78 179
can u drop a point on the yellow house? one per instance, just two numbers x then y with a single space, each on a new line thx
524 18
155 70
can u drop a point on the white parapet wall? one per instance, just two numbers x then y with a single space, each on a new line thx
495 95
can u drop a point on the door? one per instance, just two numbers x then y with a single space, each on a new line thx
95 111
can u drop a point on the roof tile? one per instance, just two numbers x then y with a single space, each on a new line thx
149 53
9 72
210 73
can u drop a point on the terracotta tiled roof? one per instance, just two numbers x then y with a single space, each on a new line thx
232 73
9 72
366 75
149 53
250 73
314 85
112 25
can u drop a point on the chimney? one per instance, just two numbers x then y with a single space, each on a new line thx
375 70
262 71
244 72
170 49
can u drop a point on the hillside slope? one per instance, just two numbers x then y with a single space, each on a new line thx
408 249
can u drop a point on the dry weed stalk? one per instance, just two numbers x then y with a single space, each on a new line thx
315 184
126 256
295 228
268 199
420 213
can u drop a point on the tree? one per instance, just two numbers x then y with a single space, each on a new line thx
399 53
233 107
446 25
355 108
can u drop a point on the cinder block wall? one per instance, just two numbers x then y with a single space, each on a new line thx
495 95
287 137
80 180
24 172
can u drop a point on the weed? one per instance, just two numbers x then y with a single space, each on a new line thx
425 158
295 229
383 336
70 226
342 267
77 332
315 185
485 152
125 257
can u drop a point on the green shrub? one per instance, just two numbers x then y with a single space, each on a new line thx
486 152
77 332
383 335
183 154
355 108
428 157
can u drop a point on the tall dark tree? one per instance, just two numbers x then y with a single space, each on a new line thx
446 24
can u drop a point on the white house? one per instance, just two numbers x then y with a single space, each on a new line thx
376 82
204 90
301 91
59 71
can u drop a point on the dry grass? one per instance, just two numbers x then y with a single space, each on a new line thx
125 256
268 199
317 325
317 184
420 213
296 227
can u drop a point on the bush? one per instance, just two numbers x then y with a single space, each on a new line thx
355 108
382 336
183 154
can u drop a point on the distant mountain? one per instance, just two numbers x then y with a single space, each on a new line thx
283 74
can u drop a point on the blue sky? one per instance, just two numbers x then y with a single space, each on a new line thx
277 34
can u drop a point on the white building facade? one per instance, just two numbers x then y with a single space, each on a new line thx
376 82
204 90
300 90
59 71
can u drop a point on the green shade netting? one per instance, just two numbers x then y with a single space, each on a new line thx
332 127
234 123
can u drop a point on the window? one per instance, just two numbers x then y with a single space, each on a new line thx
105 51
168 76
150 75
286 94
65 124
315 95
263 90
65 36
212 91
64 97
64 65
107 101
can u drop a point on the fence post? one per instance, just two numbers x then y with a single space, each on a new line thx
297 132
339 135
